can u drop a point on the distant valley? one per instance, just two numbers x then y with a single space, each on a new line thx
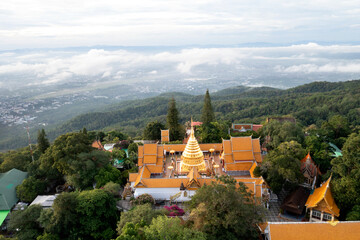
103 110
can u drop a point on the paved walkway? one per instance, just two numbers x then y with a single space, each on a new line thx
273 213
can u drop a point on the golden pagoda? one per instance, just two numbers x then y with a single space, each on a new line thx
192 155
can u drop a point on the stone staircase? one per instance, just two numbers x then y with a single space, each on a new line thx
282 195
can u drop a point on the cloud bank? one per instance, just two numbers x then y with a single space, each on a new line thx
264 65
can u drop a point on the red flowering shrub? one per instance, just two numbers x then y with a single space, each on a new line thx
174 210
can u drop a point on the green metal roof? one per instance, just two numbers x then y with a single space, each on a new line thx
3 215
8 183
336 151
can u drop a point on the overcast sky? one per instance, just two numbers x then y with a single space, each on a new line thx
63 23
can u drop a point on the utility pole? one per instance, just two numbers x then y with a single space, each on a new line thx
31 151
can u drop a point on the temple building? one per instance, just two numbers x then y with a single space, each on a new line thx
321 204
175 171
244 127
309 170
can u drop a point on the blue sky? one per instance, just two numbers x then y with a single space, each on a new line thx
54 23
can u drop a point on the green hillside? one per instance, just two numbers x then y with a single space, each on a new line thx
309 104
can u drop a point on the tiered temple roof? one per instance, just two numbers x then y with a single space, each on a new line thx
239 153
322 199
307 164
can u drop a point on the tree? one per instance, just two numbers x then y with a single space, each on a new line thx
140 213
82 170
65 150
24 223
118 154
354 215
207 115
28 190
223 210
132 231
48 236
62 219
43 142
115 134
336 130
213 132
19 159
113 189
88 214
172 122
133 148
96 213
319 151
283 164
107 174
153 130
346 170
282 132
167 228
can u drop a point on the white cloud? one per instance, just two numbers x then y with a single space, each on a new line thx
153 72
327 68
55 66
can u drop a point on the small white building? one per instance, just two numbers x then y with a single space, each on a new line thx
45 201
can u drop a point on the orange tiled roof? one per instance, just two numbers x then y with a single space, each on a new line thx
97 144
241 149
243 156
203 146
314 230
164 182
132 177
175 147
252 169
320 194
241 166
150 149
155 168
143 173
193 177
241 143
165 136
207 146
148 154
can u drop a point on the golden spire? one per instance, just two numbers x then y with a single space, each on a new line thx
192 155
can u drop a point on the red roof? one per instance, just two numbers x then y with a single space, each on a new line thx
196 124
256 127
312 167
